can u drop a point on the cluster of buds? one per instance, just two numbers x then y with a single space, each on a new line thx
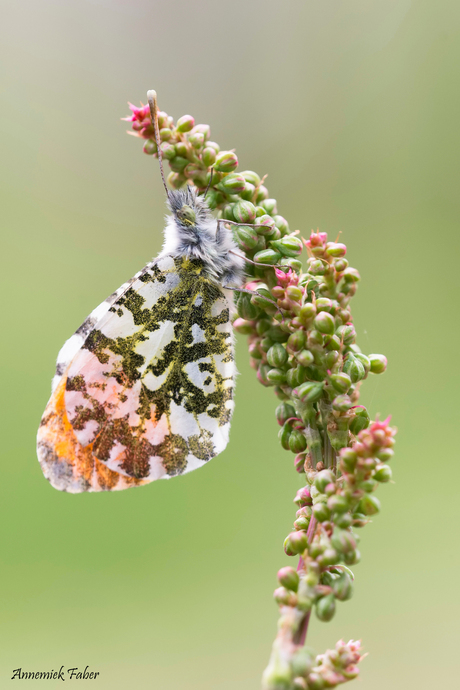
302 342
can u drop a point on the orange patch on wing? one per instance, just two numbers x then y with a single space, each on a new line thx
66 464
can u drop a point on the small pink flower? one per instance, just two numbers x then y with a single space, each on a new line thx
317 239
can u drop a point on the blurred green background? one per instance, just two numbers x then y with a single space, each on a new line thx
352 108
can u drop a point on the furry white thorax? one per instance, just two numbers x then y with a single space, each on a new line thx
202 239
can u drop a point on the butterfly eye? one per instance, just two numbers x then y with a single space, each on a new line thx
187 215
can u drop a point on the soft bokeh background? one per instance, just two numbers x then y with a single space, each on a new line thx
352 108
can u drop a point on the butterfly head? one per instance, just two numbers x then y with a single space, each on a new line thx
189 210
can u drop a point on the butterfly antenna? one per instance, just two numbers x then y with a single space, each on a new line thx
209 184
153 105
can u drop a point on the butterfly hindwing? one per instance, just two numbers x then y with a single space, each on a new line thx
144 388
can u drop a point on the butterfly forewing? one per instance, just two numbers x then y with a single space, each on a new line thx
146 384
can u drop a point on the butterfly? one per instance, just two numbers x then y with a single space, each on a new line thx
143 390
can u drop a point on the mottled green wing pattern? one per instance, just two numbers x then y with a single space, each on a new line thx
151 389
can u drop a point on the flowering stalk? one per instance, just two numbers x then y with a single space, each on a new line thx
303 344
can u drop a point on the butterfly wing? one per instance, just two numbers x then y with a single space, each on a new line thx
144 388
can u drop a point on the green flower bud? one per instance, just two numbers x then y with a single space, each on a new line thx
277 334
194 171
262 193
299 463
282 224
181 149
165 134
196 139
310 391
267 256
289 578
263 326
251 177
262 372
295 264
316 267
343 587
323 304
185 123
178 164
305 358
296 341
266 344
336 249
288 245
284 597
369 505
349 459
203 129
245 308
325 608
226 161
265 224
321 512
297 441
385 454
315 682
340 265
283 412
315 338
329 557
280 394
307 312
302 662
262 298
351 275
338 504
383 473
324 478
294 293
378 363
292 378
342 520
284 434
242 326
368 485
354 368
365 361
208 156
331 359
303 498
248 194
276 376
277 355
213 145
302 522
244 212
150 147
347 334
176 180
352 557
325 323
332 342
295 543
360 421
231 184
343 541
316 549
269 205
246 237
341 382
